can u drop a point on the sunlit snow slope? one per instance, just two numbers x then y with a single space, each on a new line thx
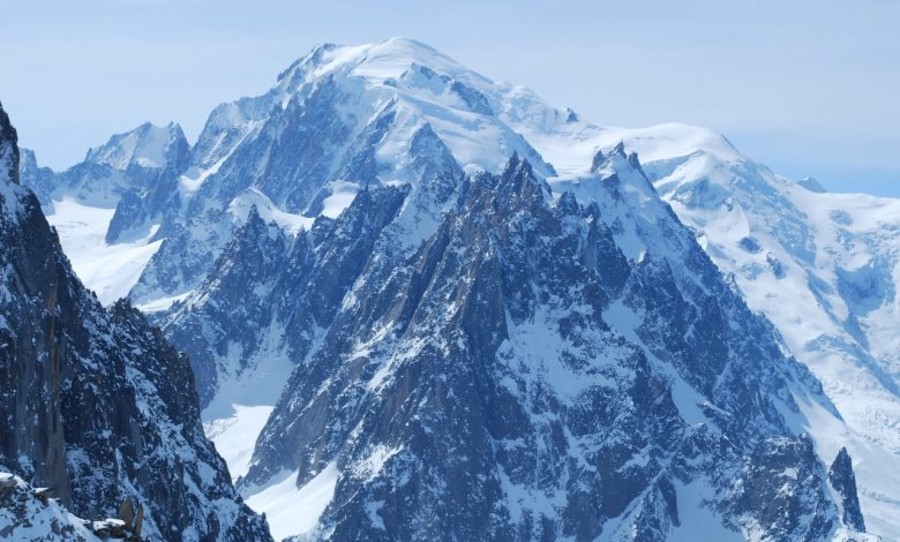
110 270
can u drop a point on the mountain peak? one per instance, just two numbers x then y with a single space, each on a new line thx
379 62
9 150
385 92
146 146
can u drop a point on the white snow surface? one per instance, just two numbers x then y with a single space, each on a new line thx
109 270
144 146
698 521
235 436
268 211
342 195
162 303
293 511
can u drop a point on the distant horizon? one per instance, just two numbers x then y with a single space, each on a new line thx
805 89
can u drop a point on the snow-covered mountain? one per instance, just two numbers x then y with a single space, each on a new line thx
147 146
461 281
337 120
822 267
94 403
93 205
129 163
515 378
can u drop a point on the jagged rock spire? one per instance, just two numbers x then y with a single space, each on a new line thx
843 480
9 149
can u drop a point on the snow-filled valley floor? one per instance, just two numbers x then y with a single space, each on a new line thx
290 512
109 270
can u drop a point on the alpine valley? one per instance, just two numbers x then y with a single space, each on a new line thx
417 304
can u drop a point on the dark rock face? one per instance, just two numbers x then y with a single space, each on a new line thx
456 423
231 296
843 480
9 149
130 212
267 293
518 376
139 209
34 278
96 405
783 485
39 179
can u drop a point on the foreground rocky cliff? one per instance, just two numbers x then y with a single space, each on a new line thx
95 404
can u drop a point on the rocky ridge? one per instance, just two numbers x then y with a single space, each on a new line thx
96 405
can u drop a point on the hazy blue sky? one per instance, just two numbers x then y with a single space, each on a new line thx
810 88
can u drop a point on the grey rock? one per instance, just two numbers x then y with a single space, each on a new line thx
446 411
9 149
843 480
95 404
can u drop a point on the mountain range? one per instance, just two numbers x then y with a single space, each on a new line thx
418 303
